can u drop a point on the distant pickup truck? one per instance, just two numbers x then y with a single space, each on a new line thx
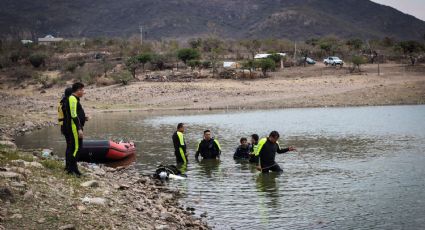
333 61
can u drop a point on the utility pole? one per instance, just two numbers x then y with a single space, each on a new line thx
141 35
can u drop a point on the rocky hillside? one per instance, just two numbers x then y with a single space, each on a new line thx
293 19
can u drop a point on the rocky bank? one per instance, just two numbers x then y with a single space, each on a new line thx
35 193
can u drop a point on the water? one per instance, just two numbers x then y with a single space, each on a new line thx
360 168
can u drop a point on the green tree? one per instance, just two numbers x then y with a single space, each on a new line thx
266 64
132 64
252 46
37 59
354 44
193 64
158 61
357 62
411 49
329 45
144 58
275 57
188 54
106 66
195 43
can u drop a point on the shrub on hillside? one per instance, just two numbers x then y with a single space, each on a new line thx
71 66
22 73
123 77
37 59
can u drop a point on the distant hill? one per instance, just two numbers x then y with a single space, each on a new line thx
292 19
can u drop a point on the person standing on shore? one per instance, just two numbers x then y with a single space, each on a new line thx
180 144
74 120
267 148
208 148
61 116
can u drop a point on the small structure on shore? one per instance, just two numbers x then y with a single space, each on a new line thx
26 42
261 56
49 39
231 65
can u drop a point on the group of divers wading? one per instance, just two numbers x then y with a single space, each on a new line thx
260 151
71 117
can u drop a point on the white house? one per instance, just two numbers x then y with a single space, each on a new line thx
49 39
260 56
25 42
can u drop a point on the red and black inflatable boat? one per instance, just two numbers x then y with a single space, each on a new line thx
105 151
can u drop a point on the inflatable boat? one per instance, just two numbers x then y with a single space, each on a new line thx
105 151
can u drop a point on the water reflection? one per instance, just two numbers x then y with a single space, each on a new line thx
124 162
359 168
208 167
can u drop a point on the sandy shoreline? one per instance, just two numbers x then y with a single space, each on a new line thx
25 108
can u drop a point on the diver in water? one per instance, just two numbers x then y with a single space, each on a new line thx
267 148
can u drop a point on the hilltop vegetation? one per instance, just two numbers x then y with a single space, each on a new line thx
237 19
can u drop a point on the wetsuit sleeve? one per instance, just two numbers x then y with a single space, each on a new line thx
260 146
218 147
280 150
175 141
197 151
236 152
73 110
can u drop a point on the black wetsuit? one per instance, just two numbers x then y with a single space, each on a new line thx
267 154
74 120
208 149
241 152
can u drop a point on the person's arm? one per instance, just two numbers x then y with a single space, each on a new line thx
218 147
74 116
175 141
259 146
197 151
236 152
280 150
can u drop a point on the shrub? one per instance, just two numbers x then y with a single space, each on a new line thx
87 74
357 61
37 60
14 56
266 64
158 61
44 81
71 66
275 57
122 77
22 73
132 64
193 64
188 54
206 64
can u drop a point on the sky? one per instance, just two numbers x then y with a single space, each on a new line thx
412 7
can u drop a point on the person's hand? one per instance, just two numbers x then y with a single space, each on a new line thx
292 148
80 133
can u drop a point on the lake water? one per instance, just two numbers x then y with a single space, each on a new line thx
356 168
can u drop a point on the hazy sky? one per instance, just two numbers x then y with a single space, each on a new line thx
412 7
